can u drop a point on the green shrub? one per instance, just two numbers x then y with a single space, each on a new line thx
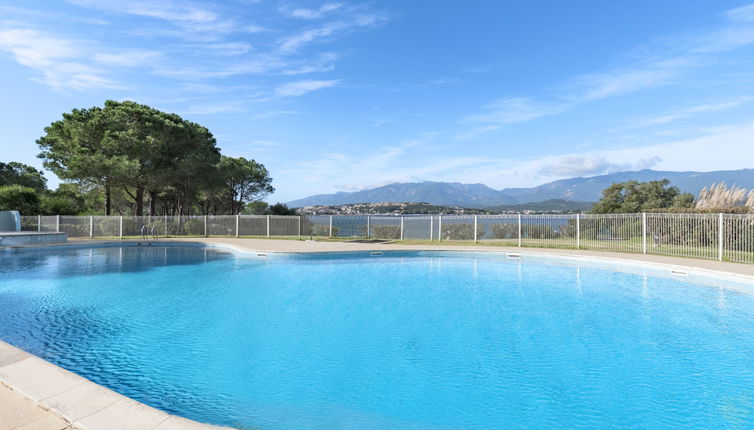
386 231
18 198
461 231
504 231
109 227
193 227
75 230
323 230
538 231
610 228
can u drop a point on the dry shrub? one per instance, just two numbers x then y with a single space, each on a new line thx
721 196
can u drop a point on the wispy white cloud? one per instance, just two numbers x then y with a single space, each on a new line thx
45 14
165 10
224 48
595 86
300 88
580 89
741 14
329 31
127 58
362 187
689 111
719 149
58 62
324 62
304 13
184 20
260 64
207 31
510 110
663 63
590 165
476 132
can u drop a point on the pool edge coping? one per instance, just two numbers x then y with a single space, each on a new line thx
671 265
80 402
547 254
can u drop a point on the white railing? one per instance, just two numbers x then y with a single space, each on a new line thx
710 236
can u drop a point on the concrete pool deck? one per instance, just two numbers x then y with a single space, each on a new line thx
38 395
35 394
306 246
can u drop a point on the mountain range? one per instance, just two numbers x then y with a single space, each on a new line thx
582 189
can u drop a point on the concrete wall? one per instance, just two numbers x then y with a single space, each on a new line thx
10 221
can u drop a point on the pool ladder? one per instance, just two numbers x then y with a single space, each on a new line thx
147 233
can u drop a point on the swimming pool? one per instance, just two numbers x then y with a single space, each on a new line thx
415 340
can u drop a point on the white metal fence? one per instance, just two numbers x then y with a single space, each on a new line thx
710 236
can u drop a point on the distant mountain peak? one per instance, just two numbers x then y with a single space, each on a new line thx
583 189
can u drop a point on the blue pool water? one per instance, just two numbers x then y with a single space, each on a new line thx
401 341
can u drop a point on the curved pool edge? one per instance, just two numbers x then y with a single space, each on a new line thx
658 264
262 248
81 403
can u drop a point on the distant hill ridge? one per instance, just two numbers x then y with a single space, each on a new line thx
580 189
404 208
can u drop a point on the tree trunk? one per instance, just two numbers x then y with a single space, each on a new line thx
152 202
108 198
139 199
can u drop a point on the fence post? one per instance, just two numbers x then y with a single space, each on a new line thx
299 226
475 233
368 226
578 231
643 232
205 225
237 217
57 223
268 226
439 228
330 226
431 228
91 226
39 222
166 225
120 226
401 228
720 239
519 230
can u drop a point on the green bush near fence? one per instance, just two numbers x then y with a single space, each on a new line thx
192 227
568 230
701 233
739 235
538 231
220 228
504 231
386 231
109 227
609 229
75 230
310 228
322 230
461 231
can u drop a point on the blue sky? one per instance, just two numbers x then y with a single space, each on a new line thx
343 95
